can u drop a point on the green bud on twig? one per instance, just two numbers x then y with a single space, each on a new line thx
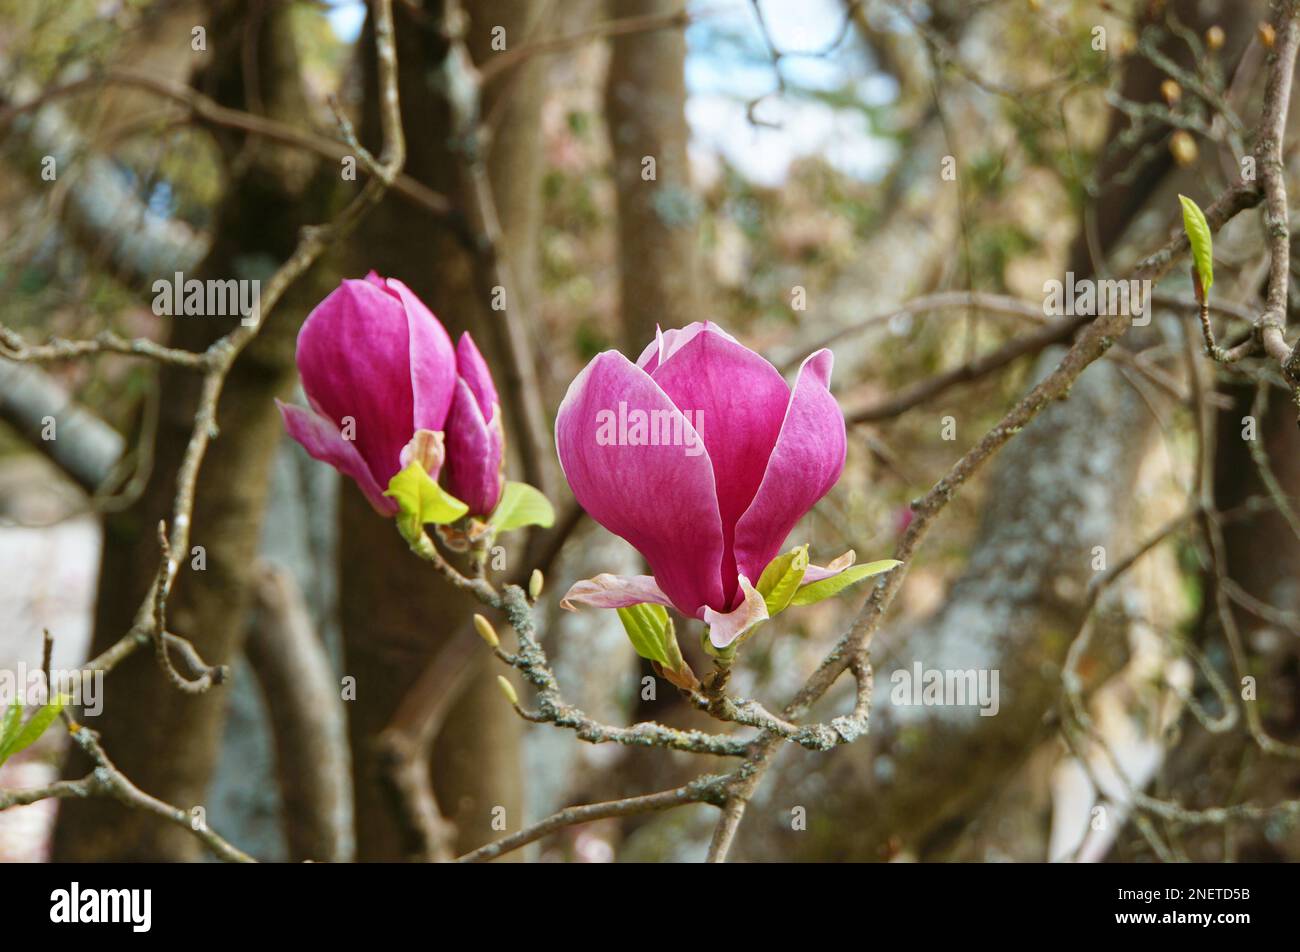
508 690
486 631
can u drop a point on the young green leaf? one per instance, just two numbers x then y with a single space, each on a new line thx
827 587
521 505
12 719
651 632
421 501
780 580
1202 242
33 729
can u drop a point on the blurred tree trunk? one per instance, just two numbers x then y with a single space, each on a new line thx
645 110
164 740
396 611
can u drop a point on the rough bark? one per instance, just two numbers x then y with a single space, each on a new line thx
166 741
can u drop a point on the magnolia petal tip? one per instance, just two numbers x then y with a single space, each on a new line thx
726 627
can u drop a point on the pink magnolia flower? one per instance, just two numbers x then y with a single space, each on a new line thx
708 520
380 373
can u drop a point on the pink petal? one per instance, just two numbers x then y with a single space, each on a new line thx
614 591
737 401
323 441
474 451
354 359
806 463
667 343
815 573
724 628
473 369
658 498
433 361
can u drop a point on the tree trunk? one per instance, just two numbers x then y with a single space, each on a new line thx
166 741
658 247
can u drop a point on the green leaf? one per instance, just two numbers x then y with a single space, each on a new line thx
1202 242
420 501
816 591
521 505
780 580
9 726
33 729
652 633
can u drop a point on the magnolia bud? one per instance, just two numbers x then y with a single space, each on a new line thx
1214 37
362 391
1267 35
1183 147
508 690
486 631
1171 91
535 584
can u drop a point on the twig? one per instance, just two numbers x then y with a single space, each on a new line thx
992 303
981 366
106 780
1268 157
12 347
213 113
706 789
406 744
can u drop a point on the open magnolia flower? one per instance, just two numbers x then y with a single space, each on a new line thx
703 458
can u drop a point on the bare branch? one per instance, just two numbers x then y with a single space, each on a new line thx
706 789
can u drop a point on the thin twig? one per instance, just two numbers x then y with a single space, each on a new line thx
706 789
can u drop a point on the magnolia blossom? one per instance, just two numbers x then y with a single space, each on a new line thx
707 522
386 388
